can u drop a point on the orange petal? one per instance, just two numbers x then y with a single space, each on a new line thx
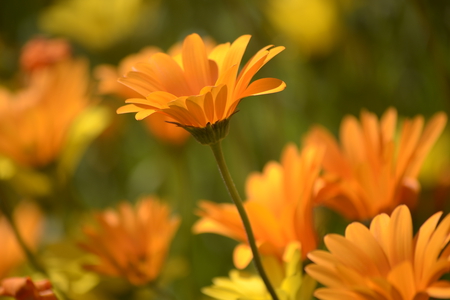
402 279
429 136
263 86
440 290
195 63
130 108
422 240
170 75
400 236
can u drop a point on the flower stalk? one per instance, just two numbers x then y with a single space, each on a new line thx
226 176
8 213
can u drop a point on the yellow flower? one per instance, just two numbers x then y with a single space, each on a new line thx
372 171
132 243
97 24
279 206
28 220
385 261
291 284
34 121
198 87
157 123
314 25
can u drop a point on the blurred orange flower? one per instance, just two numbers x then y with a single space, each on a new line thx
132 243
279 206
108 74
34 121
28 220
23 288
198 87
372 172
385 261
41 52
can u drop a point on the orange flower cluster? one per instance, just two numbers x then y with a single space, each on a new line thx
28 220
23 288
35 120
279 205
198 87
132 243
385 261
372 171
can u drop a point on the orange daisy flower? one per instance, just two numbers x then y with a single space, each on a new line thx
41 52
132 243
385 261
279 207
372 171
156 123
34 121
198 87
28 220
23 288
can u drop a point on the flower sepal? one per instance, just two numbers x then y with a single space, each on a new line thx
210 134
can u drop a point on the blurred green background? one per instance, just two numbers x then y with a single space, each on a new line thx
341 56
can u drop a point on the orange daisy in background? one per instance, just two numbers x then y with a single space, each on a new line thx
23 288
385 261
279 207
41 52
372 171
132 242
34 121
108 74
198 87
28 219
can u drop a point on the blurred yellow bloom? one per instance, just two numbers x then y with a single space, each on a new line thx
292 284
279 206
28 220
23 288
34 121
132 242
314 25
156 123
198 87
385 261
97 24
373 172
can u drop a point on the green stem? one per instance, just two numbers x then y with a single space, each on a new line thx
226 176
8 213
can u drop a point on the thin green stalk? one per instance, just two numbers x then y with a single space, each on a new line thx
8 213
226 176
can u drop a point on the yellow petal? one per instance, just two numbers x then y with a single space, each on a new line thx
130 108
242 256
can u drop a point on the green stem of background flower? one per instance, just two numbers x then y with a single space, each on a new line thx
8 213
218 154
